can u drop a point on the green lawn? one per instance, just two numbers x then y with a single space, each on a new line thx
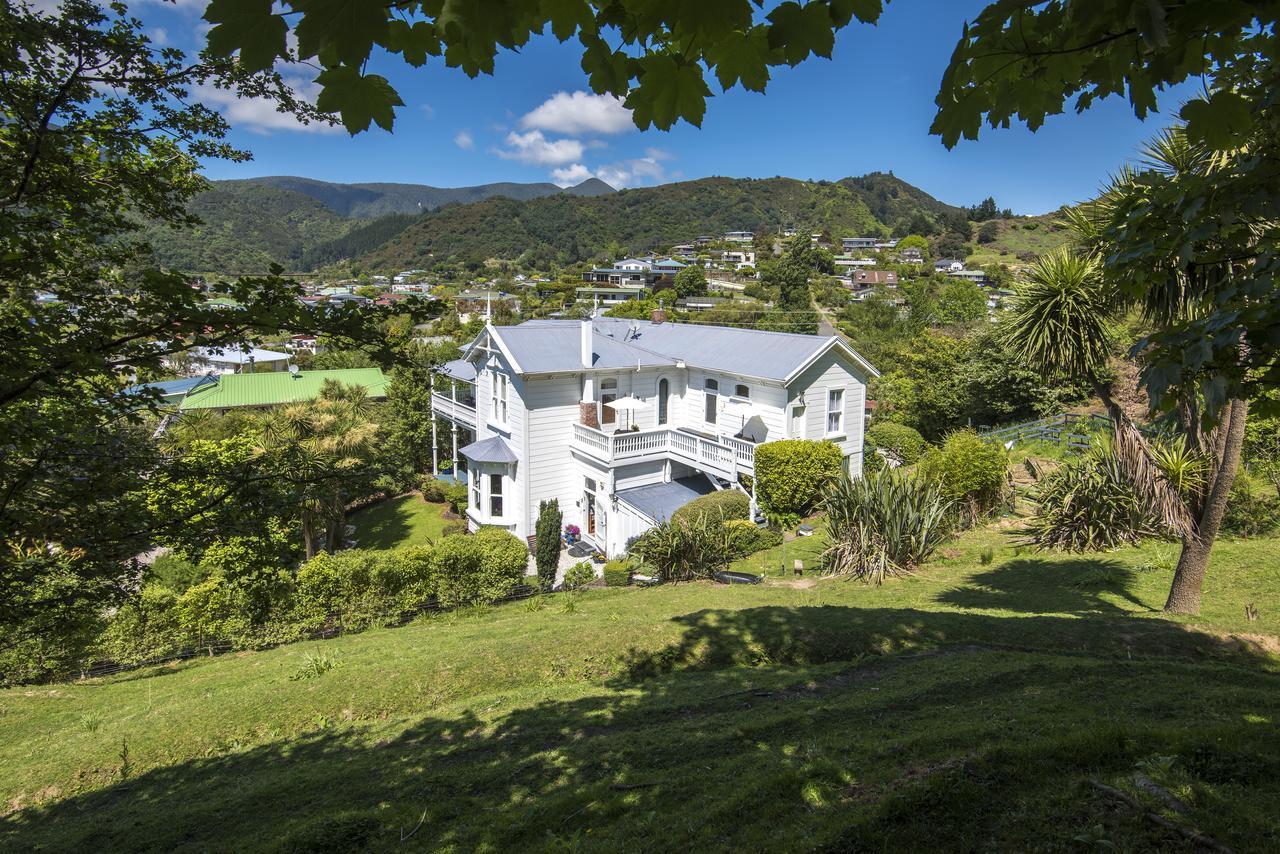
399 521
964 708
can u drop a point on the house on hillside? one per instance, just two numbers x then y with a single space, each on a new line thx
263 391
624 421
231 360
857 244
739 236
947 265
871 278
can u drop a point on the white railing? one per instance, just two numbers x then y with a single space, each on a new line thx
724 456
454 410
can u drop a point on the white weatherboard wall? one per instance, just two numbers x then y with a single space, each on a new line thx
834 370
552 411
768 401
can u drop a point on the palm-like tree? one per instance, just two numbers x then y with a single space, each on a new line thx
1139 247
325 447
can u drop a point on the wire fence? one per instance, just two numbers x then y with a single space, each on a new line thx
1077 431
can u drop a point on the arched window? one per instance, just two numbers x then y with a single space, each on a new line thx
608 394
664 392
742 391
711 394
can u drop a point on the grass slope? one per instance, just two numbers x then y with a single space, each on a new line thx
967 705
403 521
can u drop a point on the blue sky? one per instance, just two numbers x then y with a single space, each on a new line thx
868 109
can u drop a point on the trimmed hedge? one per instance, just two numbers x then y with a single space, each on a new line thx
904 441
617 573
719 506
790 474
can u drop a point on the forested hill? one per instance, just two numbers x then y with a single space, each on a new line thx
569 228
374 200
246 225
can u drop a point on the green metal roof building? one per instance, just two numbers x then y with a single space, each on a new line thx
279 388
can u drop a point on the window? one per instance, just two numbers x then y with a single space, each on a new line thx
742 391
835 412
495 496
711 393
475 490
608 394
664 392
498 397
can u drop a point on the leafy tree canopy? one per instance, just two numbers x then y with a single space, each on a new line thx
656 56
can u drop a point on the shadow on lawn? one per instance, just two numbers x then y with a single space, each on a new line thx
383 525
1050 586
941 745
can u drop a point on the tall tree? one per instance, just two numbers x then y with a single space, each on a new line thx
101 131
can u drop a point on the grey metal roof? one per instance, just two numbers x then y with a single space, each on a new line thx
750 352
492 450
549 346
542 350
658 501
459 369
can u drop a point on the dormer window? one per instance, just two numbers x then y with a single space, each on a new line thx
742 391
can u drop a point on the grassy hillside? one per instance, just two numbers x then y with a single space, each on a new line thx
973 703
1020 239
574 229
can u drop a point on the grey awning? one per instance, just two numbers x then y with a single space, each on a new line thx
492 450
658 501
459 369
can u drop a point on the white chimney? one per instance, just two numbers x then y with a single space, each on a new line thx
586 341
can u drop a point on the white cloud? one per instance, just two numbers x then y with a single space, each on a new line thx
570 175
428 110
159 36
533 147
464 140
579 113
260 115
634 172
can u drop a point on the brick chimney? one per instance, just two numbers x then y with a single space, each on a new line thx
658 316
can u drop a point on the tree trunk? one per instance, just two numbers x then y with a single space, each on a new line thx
1188 579
309 534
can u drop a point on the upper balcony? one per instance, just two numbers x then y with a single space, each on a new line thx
723 456
460 410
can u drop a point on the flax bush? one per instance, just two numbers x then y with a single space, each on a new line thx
883 525
1089 505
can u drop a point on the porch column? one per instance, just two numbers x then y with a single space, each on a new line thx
455 453
435 459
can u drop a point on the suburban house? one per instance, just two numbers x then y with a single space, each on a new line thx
853 244
624 421
231 359
978 277
739 236
636 272
223 392
947 265
610 295
871 278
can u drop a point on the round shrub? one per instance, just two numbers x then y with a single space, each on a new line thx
432 490
451 529
745 538
719 506
904 441
617 573
790 474
970 472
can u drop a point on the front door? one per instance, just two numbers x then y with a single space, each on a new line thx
797 422
591 513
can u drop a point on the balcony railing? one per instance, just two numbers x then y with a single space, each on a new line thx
461 411
723 456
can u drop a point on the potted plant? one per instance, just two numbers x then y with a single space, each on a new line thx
572 533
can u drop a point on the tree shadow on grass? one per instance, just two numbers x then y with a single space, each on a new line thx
384 525
764 728
1050 586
